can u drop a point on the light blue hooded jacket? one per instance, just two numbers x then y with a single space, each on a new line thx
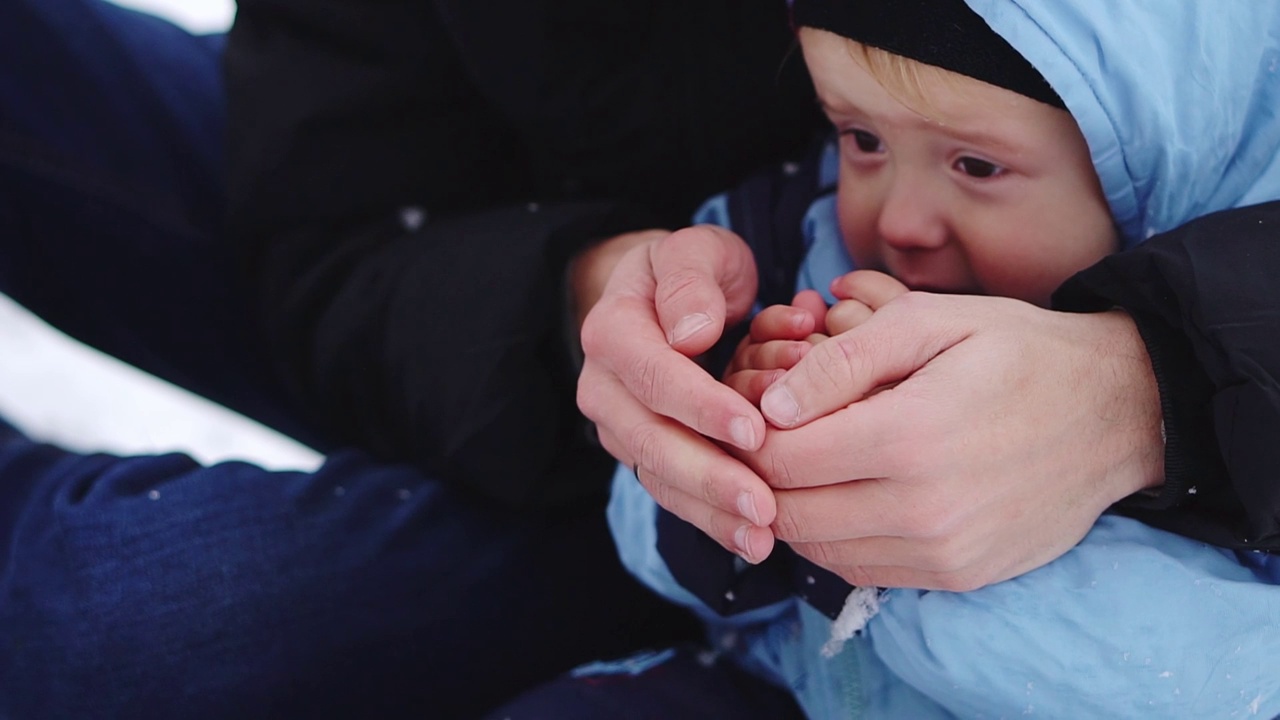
1179 103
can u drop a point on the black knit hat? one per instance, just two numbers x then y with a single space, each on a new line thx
943 33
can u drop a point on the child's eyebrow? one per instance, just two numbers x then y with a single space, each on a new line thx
980 137
974 136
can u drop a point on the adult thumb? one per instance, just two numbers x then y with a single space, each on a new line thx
893 344
706 278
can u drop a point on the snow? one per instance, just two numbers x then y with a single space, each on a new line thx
64 392
59 390
195 15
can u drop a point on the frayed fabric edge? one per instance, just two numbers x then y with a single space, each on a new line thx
860 606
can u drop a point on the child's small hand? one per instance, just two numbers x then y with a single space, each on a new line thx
779 336
859 294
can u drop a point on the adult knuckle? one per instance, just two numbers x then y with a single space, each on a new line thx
594 335
678 285
662 491
780 470
706 417
925 521
715 526
645 378
588 396
708 488
786 525
824 554
912 302
835 367
645 445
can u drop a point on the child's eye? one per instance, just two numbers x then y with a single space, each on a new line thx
865 141
981 169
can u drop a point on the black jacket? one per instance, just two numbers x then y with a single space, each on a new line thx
409 178
1206 299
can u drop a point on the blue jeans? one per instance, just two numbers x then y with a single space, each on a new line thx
688 682
156 587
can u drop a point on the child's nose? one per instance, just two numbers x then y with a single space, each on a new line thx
911 216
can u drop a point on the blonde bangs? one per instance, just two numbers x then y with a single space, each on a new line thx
910 82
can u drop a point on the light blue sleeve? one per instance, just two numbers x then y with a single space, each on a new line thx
1134 622
715 211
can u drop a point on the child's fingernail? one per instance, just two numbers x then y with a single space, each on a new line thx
689 325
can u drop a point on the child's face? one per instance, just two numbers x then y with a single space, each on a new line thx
992 193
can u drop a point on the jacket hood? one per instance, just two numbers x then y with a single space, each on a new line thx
1179 101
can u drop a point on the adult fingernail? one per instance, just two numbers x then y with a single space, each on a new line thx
743 433
779 405
747 506
689 325
742 539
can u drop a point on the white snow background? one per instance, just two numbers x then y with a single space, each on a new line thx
61 391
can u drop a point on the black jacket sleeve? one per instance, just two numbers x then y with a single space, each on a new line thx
1206 299
409 178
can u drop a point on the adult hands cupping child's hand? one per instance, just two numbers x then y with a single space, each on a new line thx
1009 431
780 335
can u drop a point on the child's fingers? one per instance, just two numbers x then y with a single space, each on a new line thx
846 315
812 302
772 355
751 384
782 322
873 289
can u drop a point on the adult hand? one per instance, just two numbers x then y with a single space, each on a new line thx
666 302
1010 430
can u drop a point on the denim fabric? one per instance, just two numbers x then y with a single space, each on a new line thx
111 197
685 683
153 587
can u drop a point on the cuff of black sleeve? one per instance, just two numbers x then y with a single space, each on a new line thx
1185 394
1190 452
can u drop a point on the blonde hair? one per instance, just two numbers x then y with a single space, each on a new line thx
908 81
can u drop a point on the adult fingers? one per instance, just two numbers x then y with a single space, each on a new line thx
862 441
622 340
728 505
895 342
704 277
749 541
857 509
673 457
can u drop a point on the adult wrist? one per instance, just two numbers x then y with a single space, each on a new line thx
1189 455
